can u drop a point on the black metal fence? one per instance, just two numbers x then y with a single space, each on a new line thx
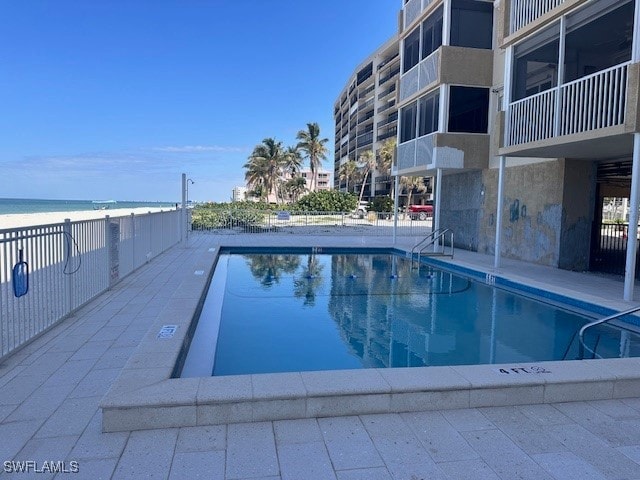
609 249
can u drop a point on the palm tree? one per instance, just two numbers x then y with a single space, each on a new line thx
385 160
348 172
313 147
412 184
293 161
295 187
256 177
367 163
265 165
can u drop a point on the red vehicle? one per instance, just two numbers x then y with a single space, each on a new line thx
420 212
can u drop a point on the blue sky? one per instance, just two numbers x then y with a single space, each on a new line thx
115 98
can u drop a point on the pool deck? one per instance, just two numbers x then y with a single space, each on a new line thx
51 390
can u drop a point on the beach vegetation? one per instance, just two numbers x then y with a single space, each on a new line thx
326 201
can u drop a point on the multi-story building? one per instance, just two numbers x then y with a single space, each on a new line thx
366 115
527 113
238 194
323 179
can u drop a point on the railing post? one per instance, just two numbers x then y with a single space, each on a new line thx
107 249
133 242
436 222
67 256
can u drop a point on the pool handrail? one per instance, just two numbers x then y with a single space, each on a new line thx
432 238
581 344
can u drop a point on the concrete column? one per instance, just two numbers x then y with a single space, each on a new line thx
632 237
558 101
497 256
183 212
436 213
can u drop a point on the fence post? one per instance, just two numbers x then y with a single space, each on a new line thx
150 254
133 242
67 254
107 249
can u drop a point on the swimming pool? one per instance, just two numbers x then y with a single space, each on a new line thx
289 310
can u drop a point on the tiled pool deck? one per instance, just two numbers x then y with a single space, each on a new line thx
50 394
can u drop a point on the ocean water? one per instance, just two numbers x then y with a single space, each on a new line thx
31 205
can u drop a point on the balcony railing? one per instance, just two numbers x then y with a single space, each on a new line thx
365 139
389 90
420 75
392 132
388 77
417 152
523 12
412 10
589 103
389 105
391 118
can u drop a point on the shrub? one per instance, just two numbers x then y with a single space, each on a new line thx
203 217
383 203
327 201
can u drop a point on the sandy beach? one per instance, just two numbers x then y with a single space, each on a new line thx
32 219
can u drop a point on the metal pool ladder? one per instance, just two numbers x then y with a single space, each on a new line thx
435 239
581 344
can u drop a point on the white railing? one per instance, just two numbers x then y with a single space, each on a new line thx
595 101
531 118
523 12
420 75
589 103
71 263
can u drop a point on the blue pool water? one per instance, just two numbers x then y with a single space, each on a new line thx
294 311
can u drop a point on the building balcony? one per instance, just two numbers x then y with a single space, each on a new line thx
388 91
388 133
412 10
527 14
448 151
390 119
448 64
591 117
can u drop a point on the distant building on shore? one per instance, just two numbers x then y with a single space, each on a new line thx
239 194
324 179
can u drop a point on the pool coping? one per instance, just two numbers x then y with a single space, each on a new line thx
145 396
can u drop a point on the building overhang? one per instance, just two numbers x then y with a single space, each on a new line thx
613 142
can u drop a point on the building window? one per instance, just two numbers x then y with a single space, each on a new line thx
408 122
428 114
471 24
598 36
411 50
536 63
432 33
468 109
